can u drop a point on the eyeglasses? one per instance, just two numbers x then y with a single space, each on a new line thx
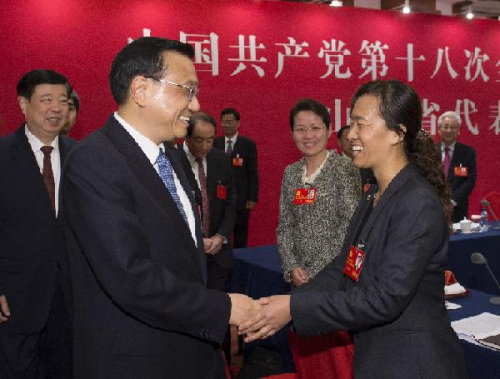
193 90
301 130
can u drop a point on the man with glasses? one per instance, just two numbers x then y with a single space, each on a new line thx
141 306
459 164
243 154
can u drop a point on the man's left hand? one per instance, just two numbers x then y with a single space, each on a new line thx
214 245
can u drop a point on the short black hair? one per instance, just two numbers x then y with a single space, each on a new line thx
142 57
232 111
200 116
31 79
73 96
310 105
341 131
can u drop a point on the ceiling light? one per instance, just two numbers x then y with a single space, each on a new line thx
469 14
406 8
336 3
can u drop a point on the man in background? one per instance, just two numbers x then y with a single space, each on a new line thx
459 164
367 177
34 320
243 154
135 248
73 110
214 177
343 142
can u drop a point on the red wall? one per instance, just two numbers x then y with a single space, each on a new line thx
80 38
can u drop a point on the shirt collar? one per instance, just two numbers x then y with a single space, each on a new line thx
36 144
149 148
451 147
191 158
233 139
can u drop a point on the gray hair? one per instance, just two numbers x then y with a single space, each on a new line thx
450 114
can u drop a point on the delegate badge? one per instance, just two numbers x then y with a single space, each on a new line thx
354 263
461 171
304 196
238 161
221 192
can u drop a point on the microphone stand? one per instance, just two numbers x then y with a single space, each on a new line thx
479 259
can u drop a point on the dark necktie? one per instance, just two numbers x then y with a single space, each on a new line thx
446 162
229 149
167 176
48 175
205 205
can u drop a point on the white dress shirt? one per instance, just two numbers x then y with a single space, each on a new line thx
233 140
55 159
450 151
152 150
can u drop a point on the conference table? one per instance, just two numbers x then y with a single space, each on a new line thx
258 273
471 275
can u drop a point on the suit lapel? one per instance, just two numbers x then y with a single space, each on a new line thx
396 184
455 160
28 167
141 168
211 177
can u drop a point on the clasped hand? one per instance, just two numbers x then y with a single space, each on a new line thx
266 317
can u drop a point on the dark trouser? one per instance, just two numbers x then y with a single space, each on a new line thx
241 228
43 355
218 279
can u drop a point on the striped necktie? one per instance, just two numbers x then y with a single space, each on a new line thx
166 172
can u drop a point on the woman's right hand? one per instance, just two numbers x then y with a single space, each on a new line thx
299 276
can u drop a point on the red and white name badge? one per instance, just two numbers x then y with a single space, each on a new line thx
304 196
238 161
354 263
461 171
221 192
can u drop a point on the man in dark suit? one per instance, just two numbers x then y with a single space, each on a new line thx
141 306
459 164
243 154
34 320
218 224
214 180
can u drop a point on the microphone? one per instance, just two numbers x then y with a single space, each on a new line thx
479 259
486 203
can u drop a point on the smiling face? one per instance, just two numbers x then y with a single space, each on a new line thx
448 130
372 142
46 111
310 133
167 107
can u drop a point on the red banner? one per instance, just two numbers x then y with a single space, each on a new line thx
260 57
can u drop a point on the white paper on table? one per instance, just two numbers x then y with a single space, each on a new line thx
451 306
481 326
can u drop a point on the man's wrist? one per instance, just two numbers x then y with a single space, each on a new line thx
224 239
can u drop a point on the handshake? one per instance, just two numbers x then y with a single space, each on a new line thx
259 319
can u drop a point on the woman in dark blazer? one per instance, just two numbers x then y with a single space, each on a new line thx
386 288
